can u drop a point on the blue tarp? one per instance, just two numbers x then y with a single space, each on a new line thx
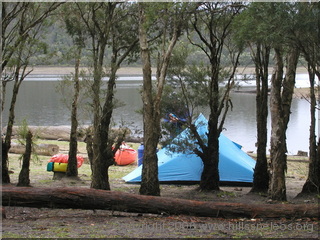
234 164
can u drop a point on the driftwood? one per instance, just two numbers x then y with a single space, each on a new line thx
46 132
84 198
62 133
41 149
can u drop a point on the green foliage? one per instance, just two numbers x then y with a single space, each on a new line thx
267 22
186 91
224 194
187 86
22 132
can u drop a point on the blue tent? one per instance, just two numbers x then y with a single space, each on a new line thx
234 164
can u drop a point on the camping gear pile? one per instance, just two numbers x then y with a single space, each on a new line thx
125 155
59 163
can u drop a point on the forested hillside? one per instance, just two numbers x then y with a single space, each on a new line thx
57 43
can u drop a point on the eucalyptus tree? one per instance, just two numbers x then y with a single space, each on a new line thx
124 42
22 24
253 31
211 23
168 20
306 37
77 31
282 87
108 25
97 18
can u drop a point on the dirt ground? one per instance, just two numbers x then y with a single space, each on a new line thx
21 222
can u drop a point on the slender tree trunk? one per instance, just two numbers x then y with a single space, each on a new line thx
7 141
261 176
214 37
89 147
99 169
210 177
150 182
312 185
151 102
106 154
278 158
280 103
72 170
5 163
24 179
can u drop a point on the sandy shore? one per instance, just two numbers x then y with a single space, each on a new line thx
128 70
67 70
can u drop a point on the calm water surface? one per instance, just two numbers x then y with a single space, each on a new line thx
41 105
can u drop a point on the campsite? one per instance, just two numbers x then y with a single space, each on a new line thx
177 59
72 223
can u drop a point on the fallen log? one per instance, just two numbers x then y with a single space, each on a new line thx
62 133
41 149
85 198
45 132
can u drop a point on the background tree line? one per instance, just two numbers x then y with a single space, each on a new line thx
105 36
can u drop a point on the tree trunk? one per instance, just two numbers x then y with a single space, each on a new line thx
278 157
7 142
5 163
152 100
280 103
99 170
24 180
72 170
80 198
210 177
105 155
89 147
261 176
151 131
312 185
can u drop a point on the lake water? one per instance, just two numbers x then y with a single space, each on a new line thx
41 105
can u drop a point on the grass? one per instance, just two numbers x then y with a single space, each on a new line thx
13 235
224 194
41 178
297 169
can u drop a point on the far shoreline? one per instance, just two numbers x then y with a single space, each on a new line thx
135 71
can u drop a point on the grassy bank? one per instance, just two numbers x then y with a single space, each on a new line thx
297 171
